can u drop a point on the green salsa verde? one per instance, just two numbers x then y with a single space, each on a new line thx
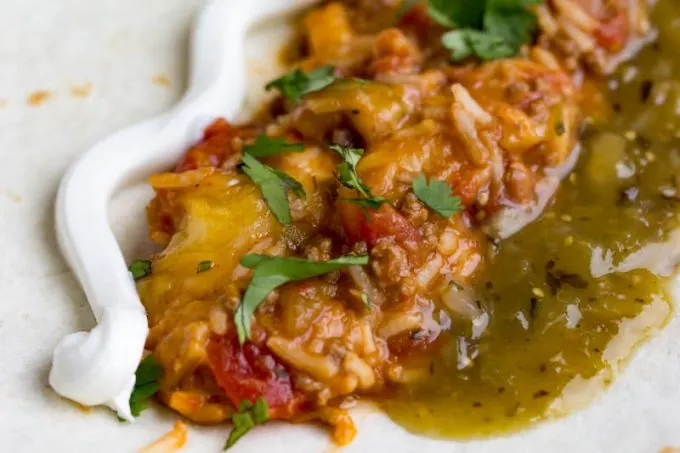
570 296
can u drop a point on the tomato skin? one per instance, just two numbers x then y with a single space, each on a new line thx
246 372
211 151
612 34
370 225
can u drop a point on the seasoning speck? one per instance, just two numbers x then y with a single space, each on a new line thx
81 91
569 240
566 218
645 90
38 97
533 308
204 266
538 292
630 135
541 394
643 142
161 80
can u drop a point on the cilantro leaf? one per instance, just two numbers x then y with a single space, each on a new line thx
466 43
148 371
140 269
290 183
140 397
265 146
366 202
260 411
348 176
241 422
488 29
437 195
297 83
459 13
272 272
457 41
515 24
248 416
350 156
274 185
146 384
204 266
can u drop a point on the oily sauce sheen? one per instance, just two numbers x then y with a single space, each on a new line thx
556 333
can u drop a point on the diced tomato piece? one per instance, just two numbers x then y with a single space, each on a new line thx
468 182
418 19
370 225
211 151
246 372
612 34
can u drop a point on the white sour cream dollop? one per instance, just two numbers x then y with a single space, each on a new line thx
98 367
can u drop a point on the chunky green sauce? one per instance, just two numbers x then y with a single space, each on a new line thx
556 332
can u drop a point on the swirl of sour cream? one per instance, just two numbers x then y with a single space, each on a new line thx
98 367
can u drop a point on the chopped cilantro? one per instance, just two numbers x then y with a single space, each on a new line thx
366 202
459 13
272 272
274 185
437 195
487 29
265 146
260 411
140 269
146 384
248 416
297 83
204 266
467 42
348 176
